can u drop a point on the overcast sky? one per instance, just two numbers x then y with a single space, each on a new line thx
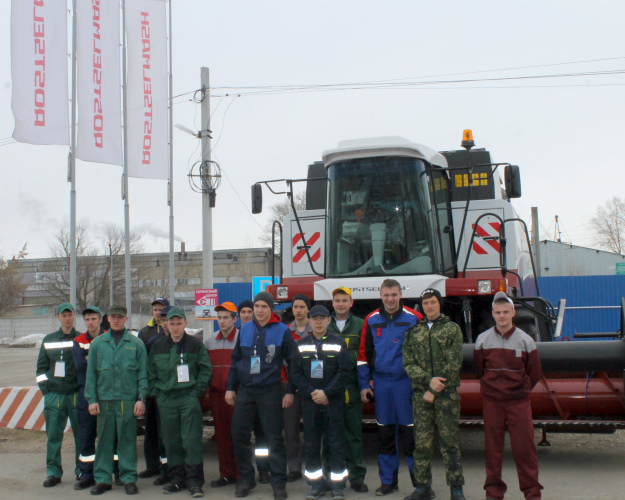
564 132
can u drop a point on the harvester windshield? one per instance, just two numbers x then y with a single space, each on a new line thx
379 218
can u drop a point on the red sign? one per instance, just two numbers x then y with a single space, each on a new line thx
205 302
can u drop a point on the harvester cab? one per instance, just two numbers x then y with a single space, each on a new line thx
388 207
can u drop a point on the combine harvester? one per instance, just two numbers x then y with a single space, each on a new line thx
388 207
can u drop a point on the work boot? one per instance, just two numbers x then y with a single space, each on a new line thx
243 489
359 487
84 483
293 476
337 494
161 479
173 488
196 492
131 489
223 481
413 480
100 488
51 481
456 493
421 492
386 489
144 474
264 477
316 491
279 493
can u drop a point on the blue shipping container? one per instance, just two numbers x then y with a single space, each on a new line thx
599 295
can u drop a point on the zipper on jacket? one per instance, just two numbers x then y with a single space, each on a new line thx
431 355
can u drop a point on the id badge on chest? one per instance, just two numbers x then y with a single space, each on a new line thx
59 369
254 365
183 373
316 369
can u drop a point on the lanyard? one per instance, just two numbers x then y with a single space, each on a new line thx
257 336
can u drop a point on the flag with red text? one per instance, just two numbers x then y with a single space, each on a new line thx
39 64
99 129
147 94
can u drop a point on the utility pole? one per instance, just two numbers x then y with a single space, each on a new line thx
536 241
111 277
208 192
170 184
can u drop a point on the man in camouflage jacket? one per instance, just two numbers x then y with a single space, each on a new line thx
432 357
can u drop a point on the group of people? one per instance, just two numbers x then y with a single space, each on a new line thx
266 375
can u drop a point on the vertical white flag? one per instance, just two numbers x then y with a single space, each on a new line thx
99 136
39 61
147 94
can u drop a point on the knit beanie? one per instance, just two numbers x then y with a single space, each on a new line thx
265 297
434 292
245 303
302 297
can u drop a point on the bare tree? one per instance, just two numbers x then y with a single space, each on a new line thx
97 265
609 222
278 212
11 284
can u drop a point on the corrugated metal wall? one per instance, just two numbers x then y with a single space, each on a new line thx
586 291
237 293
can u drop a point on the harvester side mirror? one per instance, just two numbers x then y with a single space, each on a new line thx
512 177
257 198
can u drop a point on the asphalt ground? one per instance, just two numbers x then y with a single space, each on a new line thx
575 466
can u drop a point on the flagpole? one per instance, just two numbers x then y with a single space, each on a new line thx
170 184
72 170
125 175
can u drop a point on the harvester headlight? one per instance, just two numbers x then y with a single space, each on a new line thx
282 292
483 286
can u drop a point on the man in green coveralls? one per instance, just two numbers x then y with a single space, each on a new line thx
432 357
56 376
116 388
179 371
349 327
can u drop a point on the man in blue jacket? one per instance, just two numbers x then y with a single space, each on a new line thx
380 369
263 346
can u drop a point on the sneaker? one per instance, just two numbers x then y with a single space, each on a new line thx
293 476
223 481
144 474
386 489
243 489
337 494
51 481
100 488
421 492
279 493
456 493
264 477
131 489
359 487
196 492
84 483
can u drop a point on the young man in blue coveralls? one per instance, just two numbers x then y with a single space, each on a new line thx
380 363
